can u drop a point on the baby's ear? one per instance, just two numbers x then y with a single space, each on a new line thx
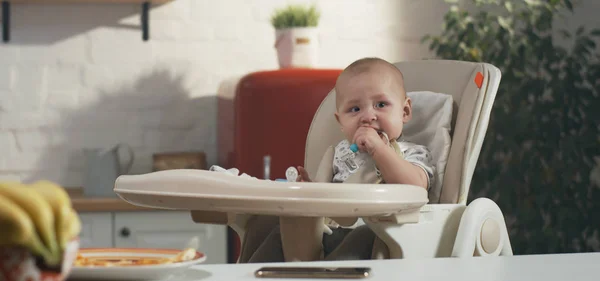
337 117
407 110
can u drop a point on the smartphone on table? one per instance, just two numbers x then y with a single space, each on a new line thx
313 272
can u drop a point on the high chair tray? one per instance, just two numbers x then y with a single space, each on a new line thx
212 191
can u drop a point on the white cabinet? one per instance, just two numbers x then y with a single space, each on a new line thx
152 229
169 230
96 230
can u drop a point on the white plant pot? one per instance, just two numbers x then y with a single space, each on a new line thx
297 47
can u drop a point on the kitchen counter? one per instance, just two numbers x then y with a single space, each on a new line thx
81 203
114 223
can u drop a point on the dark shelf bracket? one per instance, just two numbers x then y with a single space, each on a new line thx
145 15
5 21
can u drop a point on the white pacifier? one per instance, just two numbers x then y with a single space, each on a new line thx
291 174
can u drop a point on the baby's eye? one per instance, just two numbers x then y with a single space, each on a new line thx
380 104
354 109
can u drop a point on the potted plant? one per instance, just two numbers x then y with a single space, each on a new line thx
539 161
296 35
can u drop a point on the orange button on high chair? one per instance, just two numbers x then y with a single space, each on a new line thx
452 101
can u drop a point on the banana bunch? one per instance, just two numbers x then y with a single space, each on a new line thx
37 216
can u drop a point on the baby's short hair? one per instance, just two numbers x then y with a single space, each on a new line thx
368 63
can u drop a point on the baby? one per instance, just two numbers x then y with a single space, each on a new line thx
371 109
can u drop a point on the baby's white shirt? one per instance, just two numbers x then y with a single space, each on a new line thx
418 155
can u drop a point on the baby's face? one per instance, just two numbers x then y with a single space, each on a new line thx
374 100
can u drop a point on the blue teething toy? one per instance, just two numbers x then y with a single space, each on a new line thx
354 147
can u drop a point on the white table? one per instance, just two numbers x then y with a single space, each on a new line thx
557 267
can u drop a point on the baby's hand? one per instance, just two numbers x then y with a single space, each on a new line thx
303 175
367 139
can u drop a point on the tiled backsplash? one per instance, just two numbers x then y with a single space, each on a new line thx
77 76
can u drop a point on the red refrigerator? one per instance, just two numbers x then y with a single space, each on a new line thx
270 115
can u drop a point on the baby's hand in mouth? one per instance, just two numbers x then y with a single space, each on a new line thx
368 139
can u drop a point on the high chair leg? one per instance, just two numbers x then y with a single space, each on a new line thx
302 238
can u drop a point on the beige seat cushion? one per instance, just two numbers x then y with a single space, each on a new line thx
431 126
473 88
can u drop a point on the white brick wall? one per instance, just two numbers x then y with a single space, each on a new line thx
79 76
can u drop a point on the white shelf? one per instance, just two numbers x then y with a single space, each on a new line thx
144 3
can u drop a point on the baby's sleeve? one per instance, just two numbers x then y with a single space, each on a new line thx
420 156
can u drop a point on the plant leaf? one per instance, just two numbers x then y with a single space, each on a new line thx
569 5
509 7
543 130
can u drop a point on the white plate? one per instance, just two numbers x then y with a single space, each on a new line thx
141 272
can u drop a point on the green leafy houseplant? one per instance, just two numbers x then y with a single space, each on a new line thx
542 144
295 16
296 36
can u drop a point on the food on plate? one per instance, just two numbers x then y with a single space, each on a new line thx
110 261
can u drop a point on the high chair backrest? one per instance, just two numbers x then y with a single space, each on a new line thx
473 87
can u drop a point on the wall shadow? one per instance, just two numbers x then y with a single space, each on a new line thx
46 24
154 113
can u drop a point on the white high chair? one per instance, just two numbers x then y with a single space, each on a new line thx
398 214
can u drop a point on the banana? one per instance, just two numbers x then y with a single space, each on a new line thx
38 209
72 228
18 229
61 205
